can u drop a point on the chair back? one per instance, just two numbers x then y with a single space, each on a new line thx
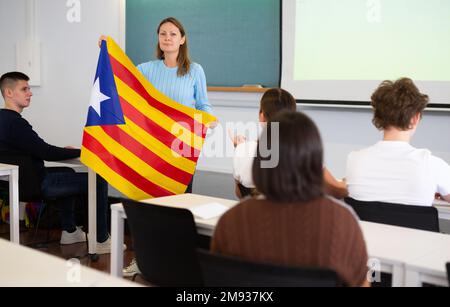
164 240
226 271
29 180
418 217
448 272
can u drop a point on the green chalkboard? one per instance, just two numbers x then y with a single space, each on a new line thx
237 42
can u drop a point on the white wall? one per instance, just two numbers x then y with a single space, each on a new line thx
69 54
12 25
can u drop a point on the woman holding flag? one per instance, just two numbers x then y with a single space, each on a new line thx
173 74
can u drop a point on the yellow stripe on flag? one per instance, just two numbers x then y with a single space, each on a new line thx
135 162
185 135
120 183
160 149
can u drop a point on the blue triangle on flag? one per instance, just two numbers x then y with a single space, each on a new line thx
105 106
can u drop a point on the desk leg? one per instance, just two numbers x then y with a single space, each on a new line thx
116 243
412 279
14 206
398 276
92 214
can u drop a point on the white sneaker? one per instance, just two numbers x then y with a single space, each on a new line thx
71 238
105 247
132 269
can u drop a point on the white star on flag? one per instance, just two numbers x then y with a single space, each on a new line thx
97 97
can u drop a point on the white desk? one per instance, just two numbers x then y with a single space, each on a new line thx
72 163
205 227
411 256
12 172
443 208
427 268
22 266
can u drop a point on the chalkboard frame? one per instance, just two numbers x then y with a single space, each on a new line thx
133 38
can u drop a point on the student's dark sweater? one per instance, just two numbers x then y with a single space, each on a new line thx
17 135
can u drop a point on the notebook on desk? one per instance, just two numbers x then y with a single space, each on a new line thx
440 202
209 210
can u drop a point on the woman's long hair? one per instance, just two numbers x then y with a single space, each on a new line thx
295 147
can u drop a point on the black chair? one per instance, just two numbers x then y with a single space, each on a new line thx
448 272
225 271
29 182
418 217
164 241
246 192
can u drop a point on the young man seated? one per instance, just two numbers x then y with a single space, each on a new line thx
392 170
17 135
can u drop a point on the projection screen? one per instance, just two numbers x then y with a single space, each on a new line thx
336 52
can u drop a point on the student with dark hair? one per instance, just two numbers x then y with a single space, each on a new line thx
392 170
293 222
272 102
17 135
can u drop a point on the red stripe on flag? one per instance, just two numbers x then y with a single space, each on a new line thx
121 168
147 156
128 78
158 132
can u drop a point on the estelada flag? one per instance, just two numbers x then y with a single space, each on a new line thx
139 140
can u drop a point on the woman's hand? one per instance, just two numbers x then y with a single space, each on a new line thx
102 38
213 124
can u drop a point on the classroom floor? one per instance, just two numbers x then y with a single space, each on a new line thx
79 250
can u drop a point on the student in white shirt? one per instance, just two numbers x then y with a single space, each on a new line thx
272 102
392 170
